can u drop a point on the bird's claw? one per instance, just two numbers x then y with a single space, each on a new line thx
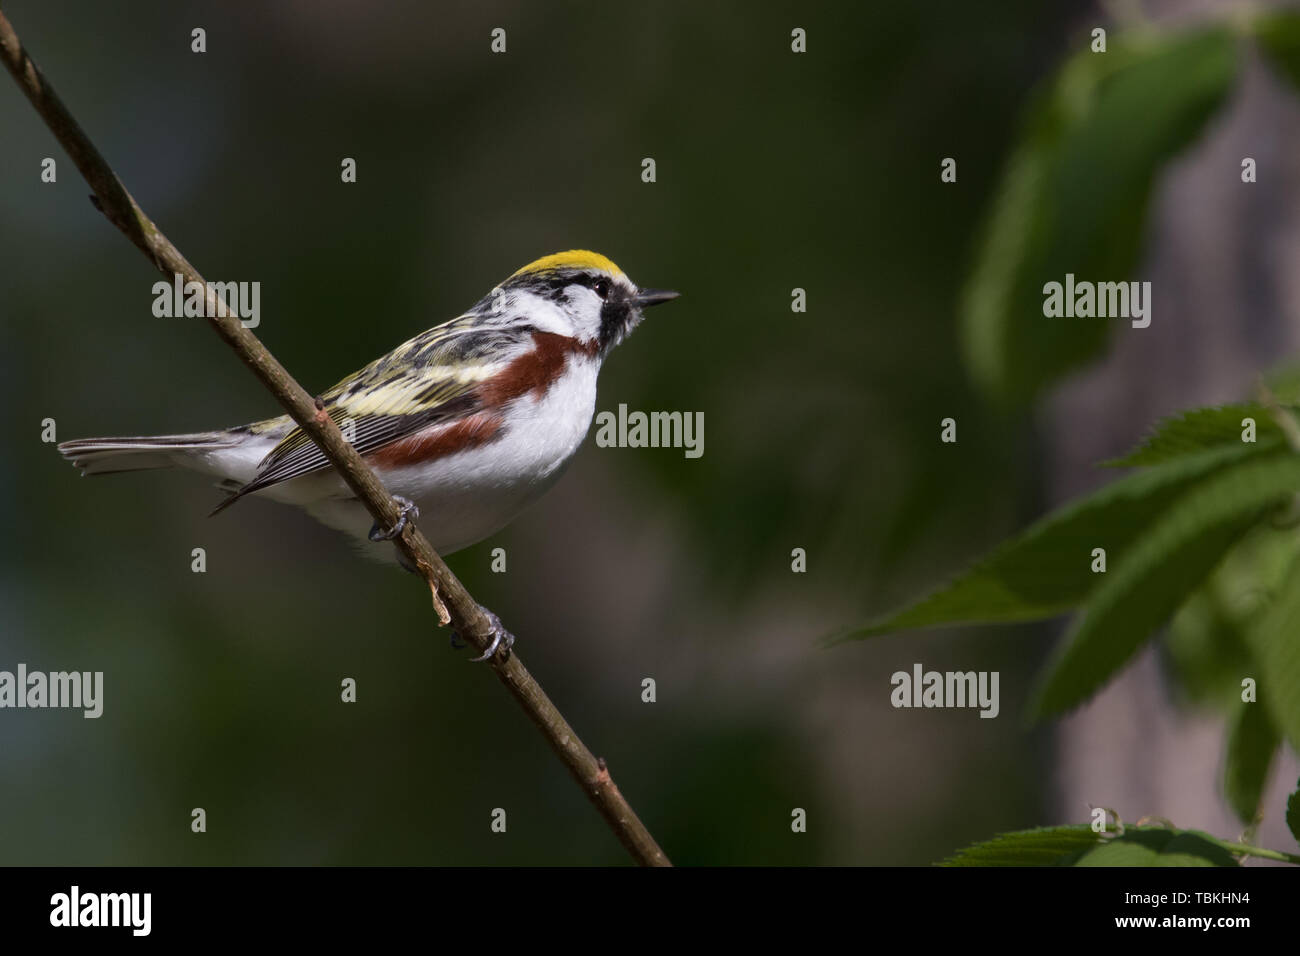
499 636
408 512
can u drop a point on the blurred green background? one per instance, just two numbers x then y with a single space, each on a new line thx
775 171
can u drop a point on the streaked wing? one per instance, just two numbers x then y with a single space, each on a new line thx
430 379
371 432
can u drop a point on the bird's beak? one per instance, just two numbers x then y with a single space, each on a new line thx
645 297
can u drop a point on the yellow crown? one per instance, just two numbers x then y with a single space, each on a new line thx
573 259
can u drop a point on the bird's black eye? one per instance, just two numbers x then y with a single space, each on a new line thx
601 287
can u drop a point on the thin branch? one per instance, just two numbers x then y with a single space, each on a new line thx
1245 849
452 602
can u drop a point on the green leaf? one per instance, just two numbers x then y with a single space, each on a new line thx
1204 648
1279 37
1045 846
1074 196
1200 429
1293 813
1252 741
1159 847
1275 644
1143 587
1080 846
1205 645
1045 570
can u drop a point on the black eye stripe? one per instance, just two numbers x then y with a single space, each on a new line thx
554 285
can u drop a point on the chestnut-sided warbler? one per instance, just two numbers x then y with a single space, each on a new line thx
465 424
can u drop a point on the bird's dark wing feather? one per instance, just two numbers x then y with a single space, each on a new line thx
432 378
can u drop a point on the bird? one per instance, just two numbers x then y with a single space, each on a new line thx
466 424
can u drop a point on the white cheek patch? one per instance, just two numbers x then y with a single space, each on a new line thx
575 316
588 314
541 312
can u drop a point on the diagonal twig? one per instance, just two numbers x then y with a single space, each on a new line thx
450 598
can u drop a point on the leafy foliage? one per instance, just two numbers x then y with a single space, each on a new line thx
1206 644
1045 846
1191 536
1201 429
1074 197
1144 586
1275 644
1045 571
1194 535
1252 741
1159 847
1164 529
1081 846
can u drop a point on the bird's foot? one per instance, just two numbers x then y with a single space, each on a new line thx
409 512
499 634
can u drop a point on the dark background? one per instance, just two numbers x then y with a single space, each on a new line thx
775 171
